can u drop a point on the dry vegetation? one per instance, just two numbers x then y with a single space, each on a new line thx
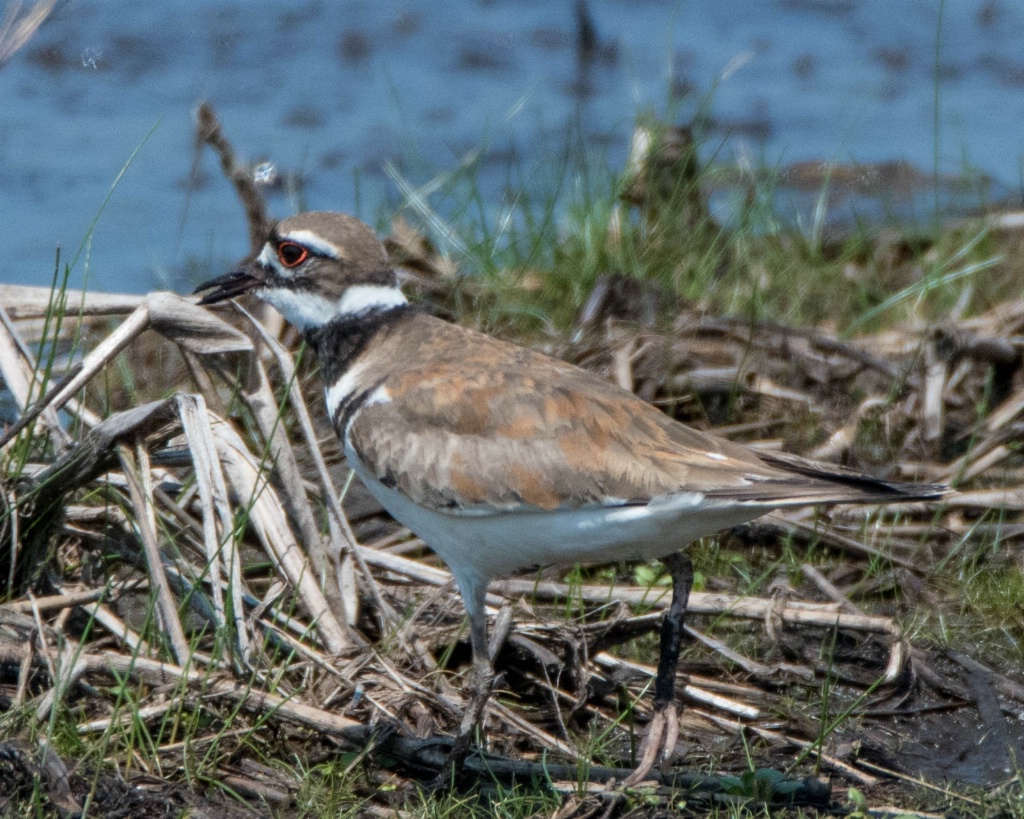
204 614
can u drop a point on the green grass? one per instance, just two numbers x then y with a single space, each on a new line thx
534 264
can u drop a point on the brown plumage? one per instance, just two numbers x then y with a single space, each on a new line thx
500 457
474 421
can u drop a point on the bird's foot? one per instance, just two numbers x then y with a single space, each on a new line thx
479 684
658 745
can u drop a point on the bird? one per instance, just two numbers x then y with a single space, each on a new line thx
502 459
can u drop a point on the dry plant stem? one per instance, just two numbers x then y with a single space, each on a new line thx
180 321
922 783
204 381
29 302
209 131
789 524
343 541
409 635
763 332
983 464
16 371
95 451
117 627
42 632
266 514
102 354
16 29
1005 686
9 502
749 608
1011 499
776 738
153 672
192 411
55 601
987 452
194 328
263 404
137 474
690 690
124 720
412 569
543 738
840 441
935 375
752 667
1006 412
823 584
409 686
218 525
23 675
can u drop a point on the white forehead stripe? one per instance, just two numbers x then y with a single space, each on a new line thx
307 310
268 258
315 242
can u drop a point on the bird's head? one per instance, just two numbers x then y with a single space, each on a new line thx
314 268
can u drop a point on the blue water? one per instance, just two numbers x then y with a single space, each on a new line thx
336 90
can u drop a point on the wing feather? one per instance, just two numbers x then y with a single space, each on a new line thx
479 423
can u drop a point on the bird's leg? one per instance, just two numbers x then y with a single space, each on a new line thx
663 730
481 677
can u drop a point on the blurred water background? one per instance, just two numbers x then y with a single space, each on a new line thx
334 93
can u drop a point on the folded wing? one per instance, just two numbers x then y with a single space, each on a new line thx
512 429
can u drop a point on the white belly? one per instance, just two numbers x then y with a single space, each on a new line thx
497 544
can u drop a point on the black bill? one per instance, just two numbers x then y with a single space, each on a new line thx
227 287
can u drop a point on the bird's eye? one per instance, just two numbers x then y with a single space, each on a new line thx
291 254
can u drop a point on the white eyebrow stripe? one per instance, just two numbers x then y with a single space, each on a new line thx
317 244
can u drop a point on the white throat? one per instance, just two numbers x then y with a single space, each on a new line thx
307 311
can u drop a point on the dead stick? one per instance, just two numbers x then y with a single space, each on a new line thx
136 473
209 131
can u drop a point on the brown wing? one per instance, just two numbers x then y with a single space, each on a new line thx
485 423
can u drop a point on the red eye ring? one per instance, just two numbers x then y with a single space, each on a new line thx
291 254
